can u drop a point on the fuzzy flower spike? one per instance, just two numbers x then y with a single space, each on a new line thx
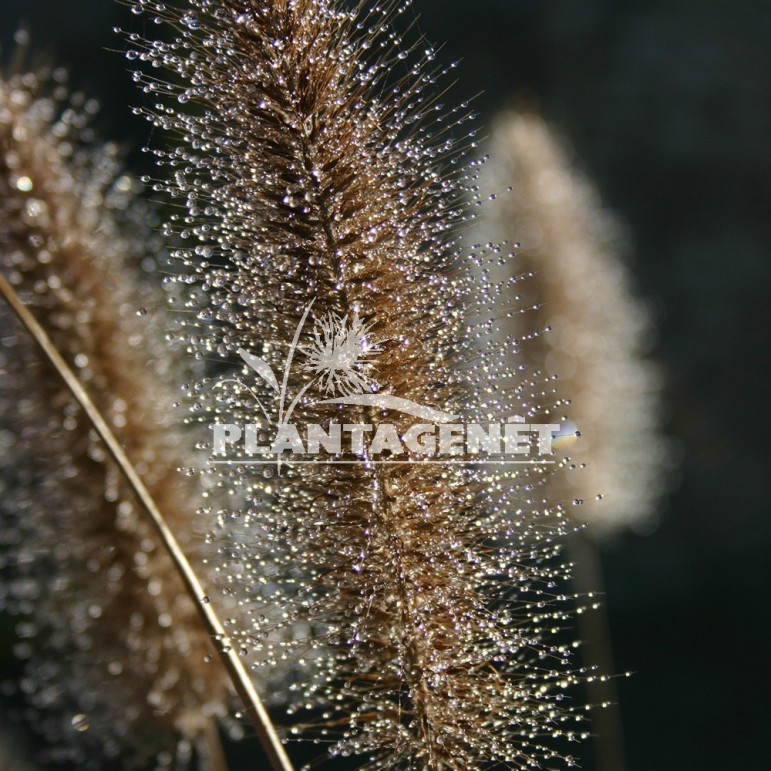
321 179
114 651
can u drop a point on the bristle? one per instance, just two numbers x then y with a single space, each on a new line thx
599 331
323 188
116 654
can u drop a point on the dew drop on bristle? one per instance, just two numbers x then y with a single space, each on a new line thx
80 722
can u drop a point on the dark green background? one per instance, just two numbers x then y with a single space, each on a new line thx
668 105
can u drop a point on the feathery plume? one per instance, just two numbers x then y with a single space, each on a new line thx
116 654
319 176
598 330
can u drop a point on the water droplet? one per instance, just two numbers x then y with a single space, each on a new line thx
115 668
190 20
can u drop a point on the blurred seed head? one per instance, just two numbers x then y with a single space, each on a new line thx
113 648
600 333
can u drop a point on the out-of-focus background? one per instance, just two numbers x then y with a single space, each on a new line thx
667 106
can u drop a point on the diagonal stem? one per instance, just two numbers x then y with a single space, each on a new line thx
233 665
